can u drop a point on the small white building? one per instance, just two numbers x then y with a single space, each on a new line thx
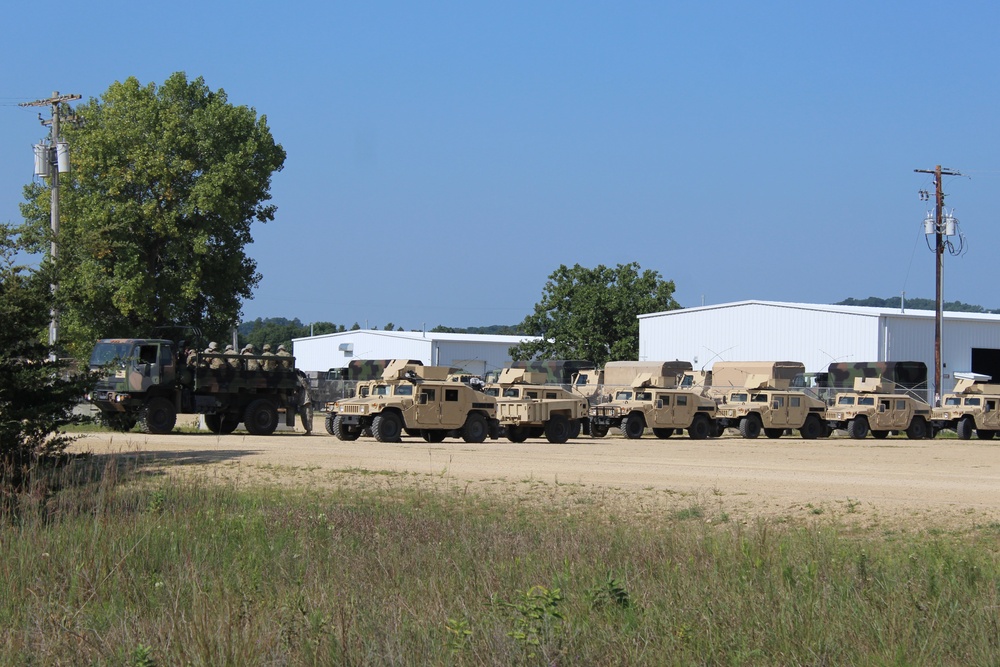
818 335
475 353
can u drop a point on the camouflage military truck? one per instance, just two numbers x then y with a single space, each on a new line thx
149 384
420 401
655 402
971 406
529 408
766 402
599 386
877 406
906 375
555 371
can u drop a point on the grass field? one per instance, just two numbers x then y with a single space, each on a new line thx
126 567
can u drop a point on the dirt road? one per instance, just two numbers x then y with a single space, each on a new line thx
918 482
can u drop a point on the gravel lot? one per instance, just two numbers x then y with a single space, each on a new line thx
887 483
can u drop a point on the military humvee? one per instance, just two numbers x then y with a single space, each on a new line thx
972 405
766 402
150 384
655 402
875 406
528 408
418 400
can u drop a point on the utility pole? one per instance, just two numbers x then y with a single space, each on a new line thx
56 155
938 270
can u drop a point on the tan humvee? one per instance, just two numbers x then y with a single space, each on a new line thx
765 402
419 400
875 406
527 408
971 405
655 402
599 386
362 390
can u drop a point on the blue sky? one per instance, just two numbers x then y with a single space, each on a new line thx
445 157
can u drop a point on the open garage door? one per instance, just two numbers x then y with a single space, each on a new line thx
986 361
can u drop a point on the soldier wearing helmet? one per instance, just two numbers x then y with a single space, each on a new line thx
216 362
268 364
282 352
252 364
230 352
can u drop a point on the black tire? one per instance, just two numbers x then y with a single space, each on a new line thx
517 433
342 432
157 416
917 430
229 424
328 422
475 428
700 428
717 429
811 428
260 417
983 434
387 427
880 435
118 421
750 427
965 427
774 432
857 428
575 426
433 435
633 426
663 433
557 429
598 431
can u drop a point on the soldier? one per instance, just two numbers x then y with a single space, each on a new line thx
215 363
282 352
268 364
303 402
230 352
252 364
192 357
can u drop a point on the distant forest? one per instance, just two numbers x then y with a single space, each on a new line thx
915 304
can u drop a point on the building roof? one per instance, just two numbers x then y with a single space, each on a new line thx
429 336
847 310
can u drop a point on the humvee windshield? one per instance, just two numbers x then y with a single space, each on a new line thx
106 353
973 401
380 390
511 392
759 398
845 400
643 396
404 390
623 396
952 400
866 400
492 391
738 398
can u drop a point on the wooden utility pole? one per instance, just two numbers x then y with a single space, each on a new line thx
939 271
54 102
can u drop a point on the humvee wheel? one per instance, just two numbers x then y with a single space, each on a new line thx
261 417
157 416
983 434
387 427
633 426
857 428
718 430
412 432
598 431
475 428
342 432
880 435
663 433
517 433
575 426
700 428
433 435
118 421
750 427
811 428
328 422
774 432
965 426
221 424
918 429
557 429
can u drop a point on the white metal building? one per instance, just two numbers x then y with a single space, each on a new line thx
475 353
817 335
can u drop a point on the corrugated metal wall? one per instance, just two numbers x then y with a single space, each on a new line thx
321 353
491 355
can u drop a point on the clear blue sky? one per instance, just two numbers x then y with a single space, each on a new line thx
445 157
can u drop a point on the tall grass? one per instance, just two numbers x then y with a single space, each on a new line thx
169 571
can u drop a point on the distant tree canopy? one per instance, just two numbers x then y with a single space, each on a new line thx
491 330
592 313
915 304
157 212
280 331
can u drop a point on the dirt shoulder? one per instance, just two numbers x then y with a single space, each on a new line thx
888 483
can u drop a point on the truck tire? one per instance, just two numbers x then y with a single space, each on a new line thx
575 426
663 433
774 432
475 428
260 417
387 427
598 431
517 433
857 428
750 427
965 427
342 432
328 423
918 429
221 424
983 434
557 429
633 426
433 435
880 435
811 428
157 416
700 428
